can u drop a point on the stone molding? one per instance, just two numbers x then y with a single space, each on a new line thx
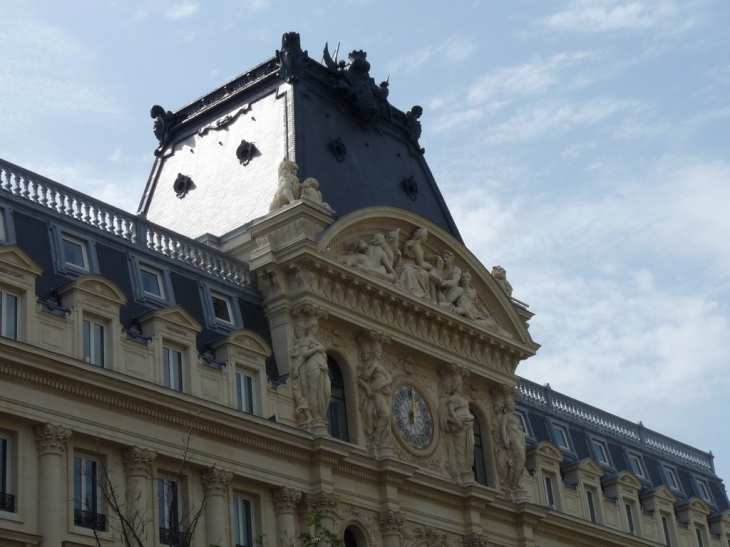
51 439
324 503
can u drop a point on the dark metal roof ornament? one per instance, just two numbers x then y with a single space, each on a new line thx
367 99
338 149
291 58
413 125
246 151
182 185
162 128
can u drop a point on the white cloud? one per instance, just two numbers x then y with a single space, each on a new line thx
609 15
183 10
523 80
556 116
455 49
116 155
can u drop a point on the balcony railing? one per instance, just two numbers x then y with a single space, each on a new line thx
599 419
29 186
7 502
89 519
172 537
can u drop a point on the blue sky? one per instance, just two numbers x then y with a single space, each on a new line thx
581 144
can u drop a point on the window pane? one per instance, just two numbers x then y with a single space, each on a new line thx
98 345
337 411
549 493
78 490
248 390
87 341
222 309
601 452
667 537
74 253
4 463
8 316
242 515
151 282
591 507
636 467
561 437
630 519
480 471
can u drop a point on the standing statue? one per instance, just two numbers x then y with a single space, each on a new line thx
415 267
289 188
457 422
301 411
375 382
314 374
509 440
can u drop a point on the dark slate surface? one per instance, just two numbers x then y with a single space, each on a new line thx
539 427
377 160
580 444
719 496
653 471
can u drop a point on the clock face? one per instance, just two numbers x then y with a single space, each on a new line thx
412 417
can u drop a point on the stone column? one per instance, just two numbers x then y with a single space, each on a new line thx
325 504
216 483
390 525
140 509
285 503
51 440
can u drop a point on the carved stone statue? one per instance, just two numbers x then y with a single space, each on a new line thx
164 122
414 267
374 381
302 412
393 250
289 188
314 374
500 274
291 58
372 258
468 306
449 289
457 422
509 441
309 191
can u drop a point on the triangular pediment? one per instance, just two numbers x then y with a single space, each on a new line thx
14 257
97 286
175 315
586 466
662 493
408 253
700 506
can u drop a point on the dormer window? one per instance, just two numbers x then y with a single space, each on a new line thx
703 489
671 476
75 253
601 452
637 465
152 281
221 307
560 433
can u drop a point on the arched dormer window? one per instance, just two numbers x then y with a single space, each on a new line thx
337 411
480 470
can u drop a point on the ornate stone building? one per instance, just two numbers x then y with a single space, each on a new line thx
291 325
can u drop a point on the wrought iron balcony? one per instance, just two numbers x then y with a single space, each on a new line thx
7 502
172 537
89 519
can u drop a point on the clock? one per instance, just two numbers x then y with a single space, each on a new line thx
412 418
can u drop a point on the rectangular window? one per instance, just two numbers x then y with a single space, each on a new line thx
7 500
242 522
601 451
549 496
168 511
152 282
667 536
87 512
244 392
591 506
561 436
637 467
630 519
222 307
672 480
74 252
703 490
172 368
698 533
8 315
93 343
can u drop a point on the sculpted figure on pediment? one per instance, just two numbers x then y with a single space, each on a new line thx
415 266
374 381
500 274
289 188
509 440
373 258
457 421
310 192
468 306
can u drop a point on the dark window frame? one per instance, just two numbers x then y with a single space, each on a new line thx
207 291
136 265
61 265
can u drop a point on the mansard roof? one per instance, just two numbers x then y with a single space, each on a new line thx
333 120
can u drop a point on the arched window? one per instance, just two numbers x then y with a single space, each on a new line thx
337 411
480 471
350 539
354 537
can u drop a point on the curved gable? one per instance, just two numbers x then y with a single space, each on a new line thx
354 240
